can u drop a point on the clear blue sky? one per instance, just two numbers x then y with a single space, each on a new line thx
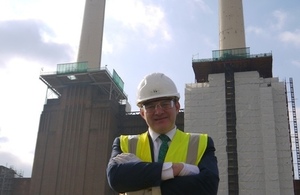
140 37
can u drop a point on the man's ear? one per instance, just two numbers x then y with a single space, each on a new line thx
142 113
177 105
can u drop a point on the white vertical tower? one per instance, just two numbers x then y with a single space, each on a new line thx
239 103
92 33
231 24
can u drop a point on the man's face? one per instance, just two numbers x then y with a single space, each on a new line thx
160 114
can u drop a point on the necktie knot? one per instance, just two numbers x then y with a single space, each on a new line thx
164 138
163 148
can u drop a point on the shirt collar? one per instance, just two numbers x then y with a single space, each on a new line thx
155 135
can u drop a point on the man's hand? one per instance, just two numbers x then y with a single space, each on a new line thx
182 169
125 158
177 167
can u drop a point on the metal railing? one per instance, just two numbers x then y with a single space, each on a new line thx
230 54
82 67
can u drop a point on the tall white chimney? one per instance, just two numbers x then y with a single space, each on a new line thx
231 24
90 47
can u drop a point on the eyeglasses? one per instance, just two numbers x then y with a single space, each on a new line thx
164 105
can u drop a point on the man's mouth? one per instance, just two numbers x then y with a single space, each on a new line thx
160 119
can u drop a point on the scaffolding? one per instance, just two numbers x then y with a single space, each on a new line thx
295 132
7 176
75 73
231 148
6 180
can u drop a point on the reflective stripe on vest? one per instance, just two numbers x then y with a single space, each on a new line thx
185 147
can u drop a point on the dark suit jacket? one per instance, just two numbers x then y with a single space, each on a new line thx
142 175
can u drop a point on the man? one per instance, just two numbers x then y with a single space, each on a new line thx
138 163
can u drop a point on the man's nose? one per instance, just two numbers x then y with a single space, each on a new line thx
158 108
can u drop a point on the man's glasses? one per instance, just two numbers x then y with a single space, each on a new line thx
164 105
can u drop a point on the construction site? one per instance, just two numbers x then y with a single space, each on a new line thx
12 182
235 99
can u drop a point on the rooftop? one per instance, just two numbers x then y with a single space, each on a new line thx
75 73
238 60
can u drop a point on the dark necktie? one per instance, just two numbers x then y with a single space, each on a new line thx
163 147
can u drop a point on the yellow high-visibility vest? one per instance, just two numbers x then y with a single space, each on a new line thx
185 147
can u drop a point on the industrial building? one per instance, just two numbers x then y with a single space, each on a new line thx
12 182
234 99
245 111
237 101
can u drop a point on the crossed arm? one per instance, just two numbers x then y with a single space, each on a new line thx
133 176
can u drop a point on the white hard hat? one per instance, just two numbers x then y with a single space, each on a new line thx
156 85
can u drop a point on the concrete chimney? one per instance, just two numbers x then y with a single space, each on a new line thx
231 25
90 47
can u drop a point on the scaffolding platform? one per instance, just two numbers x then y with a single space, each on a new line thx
74 74
262 63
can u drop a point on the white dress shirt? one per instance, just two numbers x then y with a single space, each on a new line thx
167 171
